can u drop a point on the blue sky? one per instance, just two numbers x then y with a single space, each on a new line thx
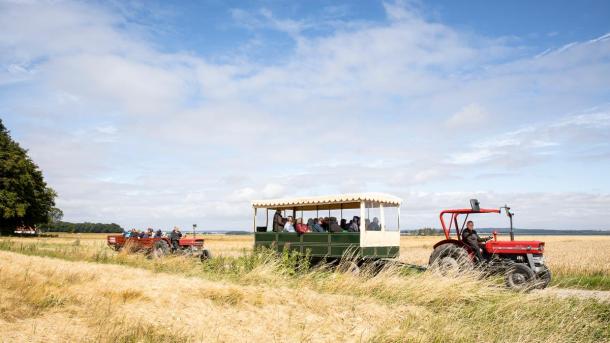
169 113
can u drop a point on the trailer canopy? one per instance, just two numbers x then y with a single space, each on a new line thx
332 202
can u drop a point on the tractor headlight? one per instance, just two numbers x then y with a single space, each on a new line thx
538 259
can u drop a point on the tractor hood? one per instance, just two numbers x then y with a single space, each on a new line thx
514 247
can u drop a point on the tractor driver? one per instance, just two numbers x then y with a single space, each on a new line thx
472 239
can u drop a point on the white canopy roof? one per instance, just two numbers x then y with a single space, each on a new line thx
352 200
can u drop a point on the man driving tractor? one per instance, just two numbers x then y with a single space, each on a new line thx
472 239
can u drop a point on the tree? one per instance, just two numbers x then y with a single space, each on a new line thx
25 198
55 215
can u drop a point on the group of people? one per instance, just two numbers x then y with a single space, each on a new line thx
174 236
322 224
148 233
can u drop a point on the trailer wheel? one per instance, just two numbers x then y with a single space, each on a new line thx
160 249
205 255
520 277
543 278
449 258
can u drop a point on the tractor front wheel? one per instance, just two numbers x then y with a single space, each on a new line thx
520 277
543 278
160 249
205 255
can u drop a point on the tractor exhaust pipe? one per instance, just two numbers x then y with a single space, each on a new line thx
510 218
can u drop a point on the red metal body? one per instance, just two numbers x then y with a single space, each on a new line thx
492 246
119 241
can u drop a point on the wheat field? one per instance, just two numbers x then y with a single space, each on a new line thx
72 288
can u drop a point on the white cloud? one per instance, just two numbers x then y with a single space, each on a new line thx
126 131
469 115
524 145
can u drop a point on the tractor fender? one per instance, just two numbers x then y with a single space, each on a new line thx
452 241
456 243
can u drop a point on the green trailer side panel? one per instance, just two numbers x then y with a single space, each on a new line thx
393 251
316 237
345 237
368 251
264 237
344 250
288 237
316 250
322 244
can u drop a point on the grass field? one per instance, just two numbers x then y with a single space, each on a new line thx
90 293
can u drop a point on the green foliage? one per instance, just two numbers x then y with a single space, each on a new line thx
82 227
25 198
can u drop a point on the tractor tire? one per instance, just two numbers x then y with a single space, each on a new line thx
520 277
449 258
160 249
543 278
205 255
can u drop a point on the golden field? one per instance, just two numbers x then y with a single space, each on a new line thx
90 293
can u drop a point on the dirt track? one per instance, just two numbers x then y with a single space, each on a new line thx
579 293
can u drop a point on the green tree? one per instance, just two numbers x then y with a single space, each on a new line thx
25 198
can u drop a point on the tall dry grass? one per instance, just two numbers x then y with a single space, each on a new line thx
576 261
54 300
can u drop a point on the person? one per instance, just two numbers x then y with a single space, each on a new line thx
289 226
150 233
374 226
134 233
355 225
174 238
310 224
143 234
317 225
278 221
300 227
472 239
158 234
344 224
334 226
326 224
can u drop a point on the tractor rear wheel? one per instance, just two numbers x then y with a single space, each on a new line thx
160 249
449 258
543 278
520 277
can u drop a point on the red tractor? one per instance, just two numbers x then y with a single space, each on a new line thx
521 262
158 247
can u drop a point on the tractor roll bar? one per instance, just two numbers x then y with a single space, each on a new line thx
455 214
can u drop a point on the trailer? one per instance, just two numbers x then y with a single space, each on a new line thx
377 236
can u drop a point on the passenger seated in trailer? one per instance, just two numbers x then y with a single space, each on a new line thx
278 221
355 225
158 234
344 225
374 226
310 223
317 225
289 226
334 225
300 227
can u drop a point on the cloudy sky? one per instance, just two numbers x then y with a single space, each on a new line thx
159 113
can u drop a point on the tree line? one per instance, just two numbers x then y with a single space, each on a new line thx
81 227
